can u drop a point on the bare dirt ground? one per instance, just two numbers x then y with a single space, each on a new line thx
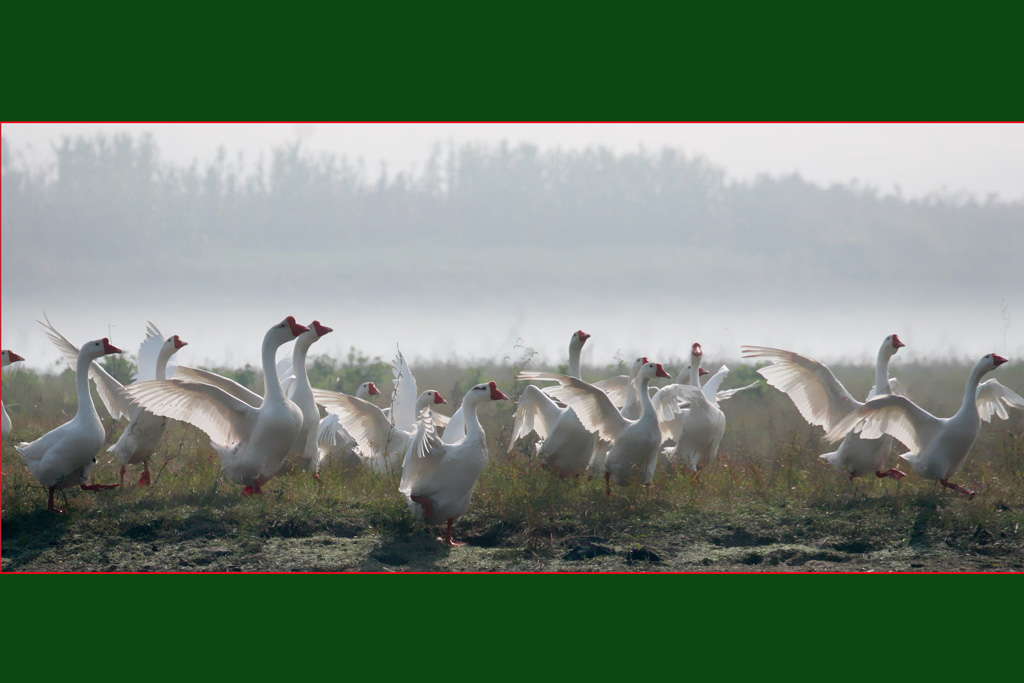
858 539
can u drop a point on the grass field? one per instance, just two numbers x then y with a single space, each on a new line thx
767 504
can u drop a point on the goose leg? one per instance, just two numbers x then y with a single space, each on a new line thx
447 538
123 470
428 508
144 479
891 472
957 487
50 505
607 484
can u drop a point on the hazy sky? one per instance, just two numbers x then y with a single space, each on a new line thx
919 159
980 159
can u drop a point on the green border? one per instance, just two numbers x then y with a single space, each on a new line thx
458 64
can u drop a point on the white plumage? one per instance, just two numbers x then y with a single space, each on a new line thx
8 358
565 445
938 447
438 478
66 456
824 401
634 449
252 441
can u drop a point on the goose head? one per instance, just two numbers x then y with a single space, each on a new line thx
488 391
428 398
892 344
10 357
97 349
174 344
992 361
311 334
637 364
285 331
684 375
651 370
579 338
370 388
696 353
319 330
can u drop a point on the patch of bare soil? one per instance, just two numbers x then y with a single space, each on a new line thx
492 549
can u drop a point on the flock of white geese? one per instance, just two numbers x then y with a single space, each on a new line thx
617 428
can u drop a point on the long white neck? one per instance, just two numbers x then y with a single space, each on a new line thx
646 406
574 358
85 404
882 369
299 359
970 404
161 361
272 385
474 430
695 372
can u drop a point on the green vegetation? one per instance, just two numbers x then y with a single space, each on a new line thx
767 504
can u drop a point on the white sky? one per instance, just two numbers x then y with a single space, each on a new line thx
919 159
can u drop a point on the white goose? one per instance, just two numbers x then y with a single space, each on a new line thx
938 447
624 392
382 443
141 438
634 450
66 456
438 478
698 429
823 400
300 391
8 358
334 444
252 441
566 446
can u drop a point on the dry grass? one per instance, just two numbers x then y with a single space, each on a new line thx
767 503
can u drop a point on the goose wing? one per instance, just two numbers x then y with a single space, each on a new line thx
224 418
594 408
616 387
815 391
403 405
364 422
111 392
223 383
993 398
425 452
894 415
535 412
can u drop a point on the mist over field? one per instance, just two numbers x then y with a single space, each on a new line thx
485 250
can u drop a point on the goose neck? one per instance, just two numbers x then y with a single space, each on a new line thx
271 382
85 404
882 371
971 390
574 360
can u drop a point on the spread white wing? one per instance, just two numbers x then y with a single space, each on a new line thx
110 391
594 408
226 385
894 415
616 387
224 418
425 452
365 422
149 354
814 390
993 398
535 412
403 404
